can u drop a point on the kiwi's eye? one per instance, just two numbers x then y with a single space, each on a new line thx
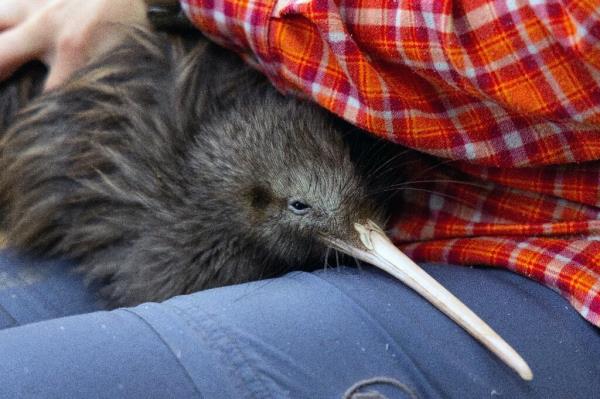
298 207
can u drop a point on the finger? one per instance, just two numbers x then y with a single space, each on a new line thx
74 51
11 13
64 65
17 46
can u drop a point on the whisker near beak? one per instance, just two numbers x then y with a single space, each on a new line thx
380 252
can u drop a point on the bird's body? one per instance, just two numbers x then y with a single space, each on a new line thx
163 172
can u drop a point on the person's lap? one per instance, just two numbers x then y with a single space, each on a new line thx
313 335
34 290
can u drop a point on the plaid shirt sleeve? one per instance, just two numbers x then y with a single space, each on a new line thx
507 92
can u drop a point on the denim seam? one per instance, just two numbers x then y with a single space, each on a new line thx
166 344
229 350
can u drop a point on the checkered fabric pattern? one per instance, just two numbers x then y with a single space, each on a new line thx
505 92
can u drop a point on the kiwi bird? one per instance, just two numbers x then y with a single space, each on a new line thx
164 171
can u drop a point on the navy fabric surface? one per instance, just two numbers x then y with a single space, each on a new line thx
33 290
305 335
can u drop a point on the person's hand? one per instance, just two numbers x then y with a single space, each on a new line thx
64 34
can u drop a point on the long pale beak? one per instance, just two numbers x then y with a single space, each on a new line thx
381 253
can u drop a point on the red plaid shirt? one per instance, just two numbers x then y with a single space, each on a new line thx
506 91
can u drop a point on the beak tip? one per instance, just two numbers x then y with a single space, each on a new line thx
526 373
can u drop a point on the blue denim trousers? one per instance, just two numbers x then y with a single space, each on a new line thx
336 333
